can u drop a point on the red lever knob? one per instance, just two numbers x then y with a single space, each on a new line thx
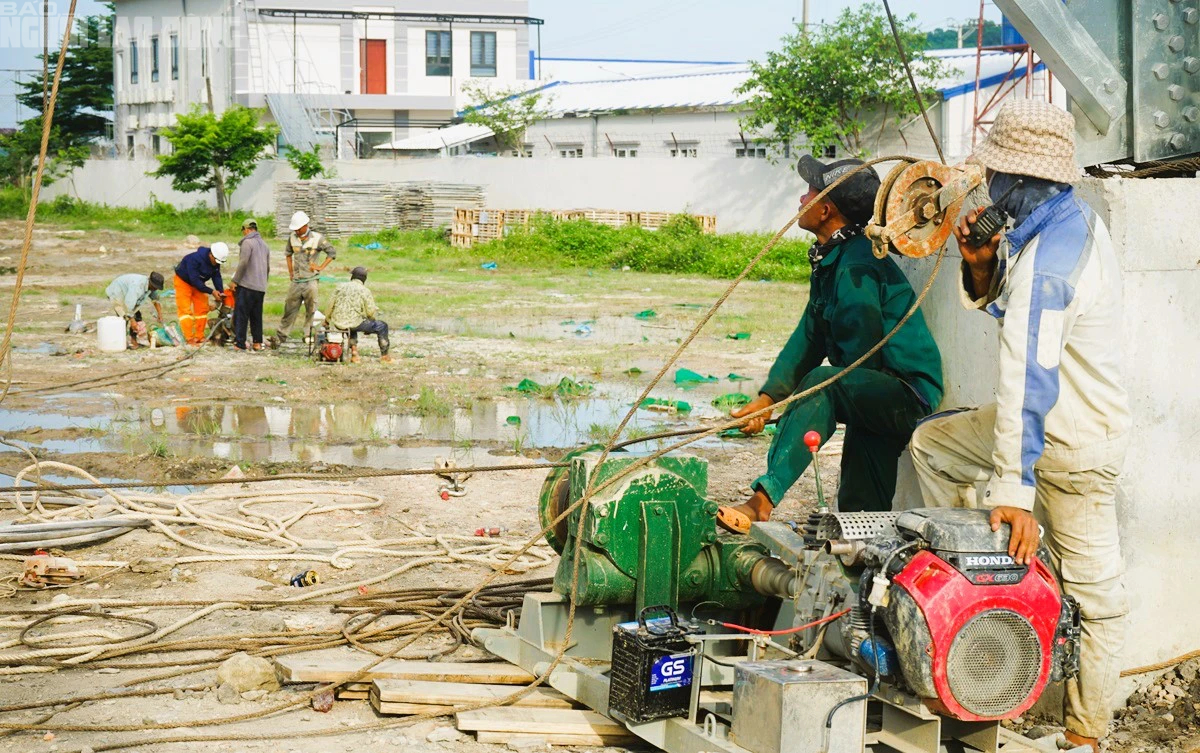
813 441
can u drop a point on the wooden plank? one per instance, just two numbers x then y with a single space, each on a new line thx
583 741
352 695
454 694
298 668
406 709
539 722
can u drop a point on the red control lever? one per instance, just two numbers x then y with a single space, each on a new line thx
813 441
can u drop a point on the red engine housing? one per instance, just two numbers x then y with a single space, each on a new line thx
331 352
988 649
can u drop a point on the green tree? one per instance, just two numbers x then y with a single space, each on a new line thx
211 153
307 164
19 155
828 84
947 39
84 106
507 112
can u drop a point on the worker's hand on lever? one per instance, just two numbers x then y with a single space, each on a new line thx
757 424
1023 543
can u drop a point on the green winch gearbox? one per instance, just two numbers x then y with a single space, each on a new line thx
648 539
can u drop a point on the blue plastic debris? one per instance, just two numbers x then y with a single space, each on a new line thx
489 265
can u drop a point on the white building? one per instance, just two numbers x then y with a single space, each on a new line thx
368 74
606 109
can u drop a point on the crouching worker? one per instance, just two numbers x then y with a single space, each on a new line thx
1053 443
192 291
354 310
854 300
127 293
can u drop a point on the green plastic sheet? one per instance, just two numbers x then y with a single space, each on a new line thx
687 376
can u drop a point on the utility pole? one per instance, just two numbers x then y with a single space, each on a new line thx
45 56
804 18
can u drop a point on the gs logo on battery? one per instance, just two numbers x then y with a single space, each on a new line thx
671 672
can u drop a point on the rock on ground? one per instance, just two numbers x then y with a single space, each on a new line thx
245 672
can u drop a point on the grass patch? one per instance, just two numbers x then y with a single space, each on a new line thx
159 218
430 403
679 247
601 433
156 446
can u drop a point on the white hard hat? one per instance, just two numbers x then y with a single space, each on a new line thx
220 252
299 220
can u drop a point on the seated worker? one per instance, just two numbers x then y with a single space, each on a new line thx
353 309
854 300
192 291
127 293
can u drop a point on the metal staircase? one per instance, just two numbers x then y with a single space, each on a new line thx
303 122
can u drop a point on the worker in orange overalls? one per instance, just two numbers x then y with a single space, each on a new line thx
192 292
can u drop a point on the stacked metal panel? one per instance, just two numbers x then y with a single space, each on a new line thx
342 208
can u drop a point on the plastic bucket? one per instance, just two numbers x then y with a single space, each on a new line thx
112 335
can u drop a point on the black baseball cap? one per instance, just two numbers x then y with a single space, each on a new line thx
156 281
854 197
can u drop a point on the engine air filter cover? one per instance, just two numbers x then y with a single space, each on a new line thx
994 663
989 647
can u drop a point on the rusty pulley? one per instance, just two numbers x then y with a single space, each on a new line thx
917 206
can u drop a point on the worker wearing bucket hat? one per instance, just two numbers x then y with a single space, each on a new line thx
192 292
304 250
1055 438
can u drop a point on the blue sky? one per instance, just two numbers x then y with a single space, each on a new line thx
701 29
660 29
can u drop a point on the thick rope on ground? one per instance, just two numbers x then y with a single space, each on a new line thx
593 489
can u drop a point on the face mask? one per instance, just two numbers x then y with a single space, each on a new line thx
1031 194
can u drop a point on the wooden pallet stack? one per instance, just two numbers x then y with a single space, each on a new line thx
473 225
405 688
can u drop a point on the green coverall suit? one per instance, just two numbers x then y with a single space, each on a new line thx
855 299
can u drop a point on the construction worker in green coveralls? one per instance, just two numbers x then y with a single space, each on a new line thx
854 300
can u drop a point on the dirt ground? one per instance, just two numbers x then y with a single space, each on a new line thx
464 341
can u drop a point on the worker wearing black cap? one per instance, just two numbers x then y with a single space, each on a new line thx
854 300
353 310
127 293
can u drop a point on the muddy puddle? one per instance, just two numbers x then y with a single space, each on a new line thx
602 329
349 434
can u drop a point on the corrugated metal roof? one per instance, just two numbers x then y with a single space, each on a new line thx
718 87
455 135
578 70
649 93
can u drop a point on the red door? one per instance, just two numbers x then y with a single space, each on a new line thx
373 61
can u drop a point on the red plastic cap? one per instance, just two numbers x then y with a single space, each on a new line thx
813 441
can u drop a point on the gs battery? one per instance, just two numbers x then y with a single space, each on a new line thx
653 667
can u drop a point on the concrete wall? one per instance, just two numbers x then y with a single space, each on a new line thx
1159 499
745 195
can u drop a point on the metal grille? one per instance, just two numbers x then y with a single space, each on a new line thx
994 663
850 525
